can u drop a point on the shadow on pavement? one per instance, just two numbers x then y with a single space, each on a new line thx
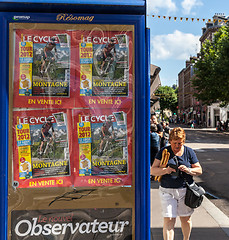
196 234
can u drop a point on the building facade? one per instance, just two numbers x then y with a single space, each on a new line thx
155 83
190 109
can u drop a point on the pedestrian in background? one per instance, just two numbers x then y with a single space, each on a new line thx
165 137
226 125
172 185
159 126
154 143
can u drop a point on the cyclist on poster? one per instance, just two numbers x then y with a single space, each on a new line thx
108 51
47 53
45 133
107 131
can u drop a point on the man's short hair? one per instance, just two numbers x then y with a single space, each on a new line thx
153 128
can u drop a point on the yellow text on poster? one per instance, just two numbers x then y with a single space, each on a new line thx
25 79
25 166
23 135
86 53
85 159
25 52
84 132
85 79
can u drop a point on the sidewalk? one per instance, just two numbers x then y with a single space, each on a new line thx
209 223
186 127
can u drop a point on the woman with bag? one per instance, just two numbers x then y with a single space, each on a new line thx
173 166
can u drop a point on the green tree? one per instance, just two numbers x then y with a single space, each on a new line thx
168 98
211 78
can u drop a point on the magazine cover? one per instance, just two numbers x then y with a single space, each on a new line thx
106 64
104 147
43 74
84 224
41 148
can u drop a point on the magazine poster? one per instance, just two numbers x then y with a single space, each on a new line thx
103 139
41 148
105 59
84 224
43 73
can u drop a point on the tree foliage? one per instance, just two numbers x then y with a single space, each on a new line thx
211 78
168 98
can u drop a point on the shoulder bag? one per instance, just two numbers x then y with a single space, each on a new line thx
195 193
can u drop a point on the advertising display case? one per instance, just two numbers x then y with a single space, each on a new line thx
74 117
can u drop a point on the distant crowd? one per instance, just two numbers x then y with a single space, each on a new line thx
159 136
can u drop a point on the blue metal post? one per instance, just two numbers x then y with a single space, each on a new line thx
142 134
4 103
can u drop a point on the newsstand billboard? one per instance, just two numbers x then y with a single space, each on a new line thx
72 105
71 125
47 63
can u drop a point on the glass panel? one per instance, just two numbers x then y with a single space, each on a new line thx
71 149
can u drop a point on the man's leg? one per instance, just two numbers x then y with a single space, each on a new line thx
42 67
168 228
42 143
102 65
51 140
101 147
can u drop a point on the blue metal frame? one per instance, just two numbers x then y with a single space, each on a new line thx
142 206
4 106
142 109
80 6
148 125
92 2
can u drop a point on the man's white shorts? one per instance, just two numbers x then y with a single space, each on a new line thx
172 201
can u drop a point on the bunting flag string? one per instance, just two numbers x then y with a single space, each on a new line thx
188 19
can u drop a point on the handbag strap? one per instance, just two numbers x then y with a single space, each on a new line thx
181 173
198 189
176 160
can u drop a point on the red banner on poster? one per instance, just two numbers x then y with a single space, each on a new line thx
72 68
44 74
42 142
106 158
106 68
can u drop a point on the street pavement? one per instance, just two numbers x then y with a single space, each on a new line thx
212 149
209 222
